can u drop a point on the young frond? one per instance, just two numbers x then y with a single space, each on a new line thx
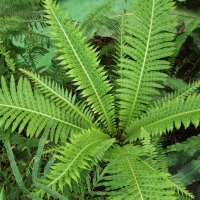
81 62
20 106
83 152
146 43
62 98
166 116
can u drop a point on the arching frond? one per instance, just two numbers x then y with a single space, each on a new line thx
81 62
62 98
21 106
165 117
146 43
83 152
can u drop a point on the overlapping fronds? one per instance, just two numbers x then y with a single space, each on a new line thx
83 152
27 11
134 175
18 18
166 116
95 16
175 83
62 98
20 106
146 43
82 64
183 92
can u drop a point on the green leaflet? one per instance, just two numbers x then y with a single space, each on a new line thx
81 62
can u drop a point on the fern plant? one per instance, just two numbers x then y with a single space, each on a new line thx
104 131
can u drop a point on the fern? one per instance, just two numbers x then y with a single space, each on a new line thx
146 47
192 142
186 156
84 151
92 124
182 38
95 16
88 75
9 61
20 107
163 118
127 169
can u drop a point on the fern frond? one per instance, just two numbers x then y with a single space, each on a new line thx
195 23
11 24
10 62
190 143
146 43
83 151
184 92
107 50
125 176
81 62
95 16
165 117
21 106
63 99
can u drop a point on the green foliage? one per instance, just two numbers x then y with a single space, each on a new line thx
185 155
90 125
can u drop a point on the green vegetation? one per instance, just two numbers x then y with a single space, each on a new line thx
84 130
